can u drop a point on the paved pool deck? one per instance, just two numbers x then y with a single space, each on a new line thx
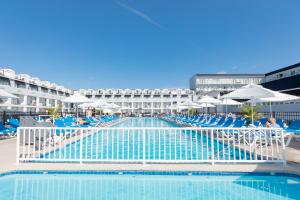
8 163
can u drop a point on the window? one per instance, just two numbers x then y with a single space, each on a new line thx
279 75
20 84
293 73
33 87
44 90
4 81
53 92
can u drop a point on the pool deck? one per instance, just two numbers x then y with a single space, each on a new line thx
8 163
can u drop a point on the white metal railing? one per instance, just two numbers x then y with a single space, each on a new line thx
40 117
151 145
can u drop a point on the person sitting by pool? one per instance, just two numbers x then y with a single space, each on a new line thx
81 121
271 123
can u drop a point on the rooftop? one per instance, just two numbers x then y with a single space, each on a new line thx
283 69
231 75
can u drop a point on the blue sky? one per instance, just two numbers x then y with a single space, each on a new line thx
146 44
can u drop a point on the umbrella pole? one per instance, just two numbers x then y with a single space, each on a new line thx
252 111
270 109
77 113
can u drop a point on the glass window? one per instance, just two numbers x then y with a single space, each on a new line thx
4 81
20 84
33 87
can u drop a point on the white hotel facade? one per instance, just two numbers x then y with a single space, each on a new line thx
141 101
34 94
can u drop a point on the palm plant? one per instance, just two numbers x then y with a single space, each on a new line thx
191 112
249 111
55 111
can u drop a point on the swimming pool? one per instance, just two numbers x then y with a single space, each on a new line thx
153 145
88 185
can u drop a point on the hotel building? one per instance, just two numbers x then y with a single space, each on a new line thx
138 101
222 83
34 94
285 80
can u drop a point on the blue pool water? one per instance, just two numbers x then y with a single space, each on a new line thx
146 122
159 145
140 186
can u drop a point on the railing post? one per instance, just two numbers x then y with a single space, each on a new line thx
18 146
144 147
212 147
283 149
80 149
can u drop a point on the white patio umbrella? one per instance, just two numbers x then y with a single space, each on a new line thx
229 102
208 100
99 104
173 107
207 105
96 104
111 107
188 104
251 92
85 105
279 97
4 94
106 110
77 99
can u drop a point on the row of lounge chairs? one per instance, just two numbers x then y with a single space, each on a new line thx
63 122
88 121
223 125
218 121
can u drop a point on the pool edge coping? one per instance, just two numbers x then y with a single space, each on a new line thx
154 172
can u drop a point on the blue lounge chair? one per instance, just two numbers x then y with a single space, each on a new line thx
6 130
205 120
263 121
281 123
211 122
227 123
294 127
257 124
239 123
14 123
220 122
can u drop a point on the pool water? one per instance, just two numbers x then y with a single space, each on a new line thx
137 186
159 144
145 122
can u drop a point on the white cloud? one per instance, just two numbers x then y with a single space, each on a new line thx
221 72
139 13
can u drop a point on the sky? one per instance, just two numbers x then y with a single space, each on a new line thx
146 44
